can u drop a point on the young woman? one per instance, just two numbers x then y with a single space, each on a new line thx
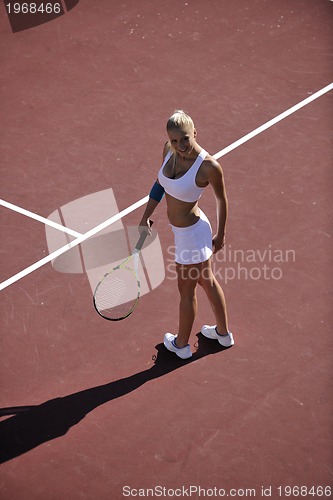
186 170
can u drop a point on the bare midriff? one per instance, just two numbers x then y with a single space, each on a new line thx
182 213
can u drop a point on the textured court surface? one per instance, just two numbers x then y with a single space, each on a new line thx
90 407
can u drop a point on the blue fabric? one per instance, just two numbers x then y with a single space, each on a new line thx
156 192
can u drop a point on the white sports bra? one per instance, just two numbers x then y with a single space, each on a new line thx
184 188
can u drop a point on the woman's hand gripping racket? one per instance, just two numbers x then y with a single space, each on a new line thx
118 292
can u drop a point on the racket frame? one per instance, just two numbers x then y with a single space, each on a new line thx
134 271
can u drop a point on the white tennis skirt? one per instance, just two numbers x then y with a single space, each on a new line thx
193 244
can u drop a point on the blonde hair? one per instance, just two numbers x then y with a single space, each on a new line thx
179 119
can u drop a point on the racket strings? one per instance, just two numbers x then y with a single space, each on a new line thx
117 294
110 293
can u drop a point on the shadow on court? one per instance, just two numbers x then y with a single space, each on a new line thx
33 425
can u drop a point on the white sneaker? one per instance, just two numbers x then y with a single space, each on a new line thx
182 352
210 332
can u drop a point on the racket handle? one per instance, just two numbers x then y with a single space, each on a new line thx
142 238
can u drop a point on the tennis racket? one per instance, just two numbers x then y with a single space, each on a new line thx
118 292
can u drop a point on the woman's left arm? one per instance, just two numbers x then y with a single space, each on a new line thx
216 180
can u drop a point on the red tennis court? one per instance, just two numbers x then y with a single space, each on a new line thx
96 409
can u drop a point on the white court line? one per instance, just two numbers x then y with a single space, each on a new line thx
73 243
275 120
144 200
49 222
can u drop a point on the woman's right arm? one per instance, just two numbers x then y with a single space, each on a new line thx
155 196
150 207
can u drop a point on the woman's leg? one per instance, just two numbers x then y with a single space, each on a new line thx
215 296
188 277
